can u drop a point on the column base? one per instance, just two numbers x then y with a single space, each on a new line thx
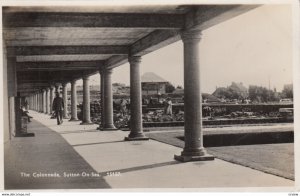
133 136
74 119
109 129
136 138
65 117
24 135
186 158
86 123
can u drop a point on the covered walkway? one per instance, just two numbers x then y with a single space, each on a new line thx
121 164
45 48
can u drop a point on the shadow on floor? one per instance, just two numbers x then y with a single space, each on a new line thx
48 154
143 167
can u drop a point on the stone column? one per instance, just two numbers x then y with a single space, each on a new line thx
136 124
36 102
108 102
73 101
48 101
39 102
44 101
30 102
193 132
101 72
52 88
65 98
86 116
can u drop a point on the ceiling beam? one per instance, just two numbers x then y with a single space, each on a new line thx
66 50
56 68
61 64
201 17
154 41
205 16
115 20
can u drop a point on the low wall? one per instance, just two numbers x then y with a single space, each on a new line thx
221 122
226 109
235 139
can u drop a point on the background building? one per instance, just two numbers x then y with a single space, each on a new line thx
152 84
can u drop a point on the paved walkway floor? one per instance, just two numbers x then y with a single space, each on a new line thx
135 164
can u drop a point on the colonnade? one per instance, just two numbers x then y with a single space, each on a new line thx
193 149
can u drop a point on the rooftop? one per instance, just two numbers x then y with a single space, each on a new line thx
152 77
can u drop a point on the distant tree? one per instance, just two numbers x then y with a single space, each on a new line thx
262 94
234 91
179 87
222 92
287 91
169 88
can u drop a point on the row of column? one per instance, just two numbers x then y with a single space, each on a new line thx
193 149
42 100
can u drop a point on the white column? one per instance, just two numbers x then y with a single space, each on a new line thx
136 123
65 98
73 101
193 132
108 102
86 117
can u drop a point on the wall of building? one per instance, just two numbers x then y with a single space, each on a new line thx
6 112
153 88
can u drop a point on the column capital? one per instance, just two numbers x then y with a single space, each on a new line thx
108 71
85 77
73 81
134 59
101 70
191 35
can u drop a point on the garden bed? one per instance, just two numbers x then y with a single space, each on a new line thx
220 122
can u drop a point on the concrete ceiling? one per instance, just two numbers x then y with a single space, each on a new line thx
58 44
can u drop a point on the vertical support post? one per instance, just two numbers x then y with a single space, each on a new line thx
73 101
86 116
193 132
52 88
101 72
36 102
48 101
44 101
41 100
65 98
108 100
136 126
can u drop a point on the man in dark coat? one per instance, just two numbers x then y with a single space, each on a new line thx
58 107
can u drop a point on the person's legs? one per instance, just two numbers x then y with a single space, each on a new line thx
60 116
57 116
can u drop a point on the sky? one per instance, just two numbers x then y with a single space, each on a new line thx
253 48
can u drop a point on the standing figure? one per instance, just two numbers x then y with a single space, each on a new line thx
26 105
58 107
168 106
123 107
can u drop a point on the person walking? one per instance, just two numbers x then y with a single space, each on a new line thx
58 107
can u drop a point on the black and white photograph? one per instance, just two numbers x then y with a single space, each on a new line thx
185 95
